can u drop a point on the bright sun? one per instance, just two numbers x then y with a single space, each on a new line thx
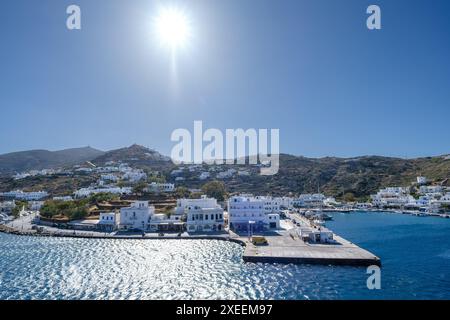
173 27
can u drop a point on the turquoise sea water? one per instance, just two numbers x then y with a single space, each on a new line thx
415 253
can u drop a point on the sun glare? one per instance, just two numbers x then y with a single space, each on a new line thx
173 28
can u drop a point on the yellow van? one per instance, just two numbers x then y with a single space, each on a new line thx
259 241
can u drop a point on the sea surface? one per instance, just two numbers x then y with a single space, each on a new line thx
415 254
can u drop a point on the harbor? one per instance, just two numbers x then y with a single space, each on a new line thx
302 242
288 244
210 269
281 248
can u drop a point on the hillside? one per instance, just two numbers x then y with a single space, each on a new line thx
44 159
137 156
361 176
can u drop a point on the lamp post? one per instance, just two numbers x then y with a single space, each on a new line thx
250 229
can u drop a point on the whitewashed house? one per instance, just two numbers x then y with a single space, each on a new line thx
86 192
437 190
107 221
160 187
7 206
204 175
136 217
203 202
204 215
135 176
109 177
421 180
392 197
248 212
27 196
36 205
63 198
309 200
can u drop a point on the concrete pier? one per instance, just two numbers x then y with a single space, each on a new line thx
286 246
282 248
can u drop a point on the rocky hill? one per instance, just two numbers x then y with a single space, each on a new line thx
359 176
44 159
137 156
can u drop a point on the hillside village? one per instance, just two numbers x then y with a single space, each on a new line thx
123 177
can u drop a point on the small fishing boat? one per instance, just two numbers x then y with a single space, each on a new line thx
419 214
319 222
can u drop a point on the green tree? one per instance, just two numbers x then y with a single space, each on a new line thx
18 208
139 187
70 209
100 197
215 189
182 192
349 197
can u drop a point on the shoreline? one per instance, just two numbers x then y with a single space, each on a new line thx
9 230
283 248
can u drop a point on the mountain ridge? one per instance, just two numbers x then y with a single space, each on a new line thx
39 159
337 176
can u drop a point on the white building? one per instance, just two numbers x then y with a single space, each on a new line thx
392 197
315 235
36 205
445 199
202 215
86 192
27 196
203 202
109 177
7 206
107 221
421 180
64 198
84 170
204 175
431 190
363 205
161 187
108 169
245 212
243 173
309 200
284 202
134 175
136 217
226 174
176 172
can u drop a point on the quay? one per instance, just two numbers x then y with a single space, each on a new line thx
287 246
284 246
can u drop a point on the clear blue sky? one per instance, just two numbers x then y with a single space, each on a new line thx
310 68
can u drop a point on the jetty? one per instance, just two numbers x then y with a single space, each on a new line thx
288 245
286 248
